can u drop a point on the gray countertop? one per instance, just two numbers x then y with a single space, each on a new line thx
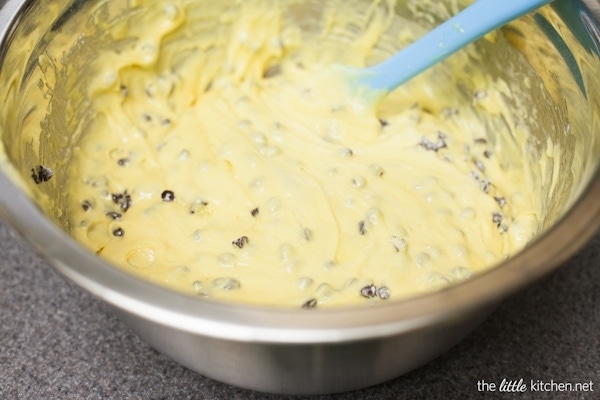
58 342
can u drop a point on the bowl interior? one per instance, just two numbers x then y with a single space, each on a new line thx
549 58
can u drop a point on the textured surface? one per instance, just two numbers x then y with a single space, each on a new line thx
58 342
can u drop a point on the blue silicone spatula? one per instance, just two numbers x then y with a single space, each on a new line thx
475 21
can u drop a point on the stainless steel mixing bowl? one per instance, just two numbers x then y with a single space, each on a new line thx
295 351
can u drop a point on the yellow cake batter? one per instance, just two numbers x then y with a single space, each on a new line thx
224 160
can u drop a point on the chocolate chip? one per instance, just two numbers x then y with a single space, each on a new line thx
255 212
41 174
484 184
272 71
307 234
240 242
86 205
434 146
312 303
167 196
369 291
497 218
362 228
123 162
123 200
44 173
500 200
119 232
114 215
383 292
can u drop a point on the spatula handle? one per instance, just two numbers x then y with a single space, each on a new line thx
475 21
